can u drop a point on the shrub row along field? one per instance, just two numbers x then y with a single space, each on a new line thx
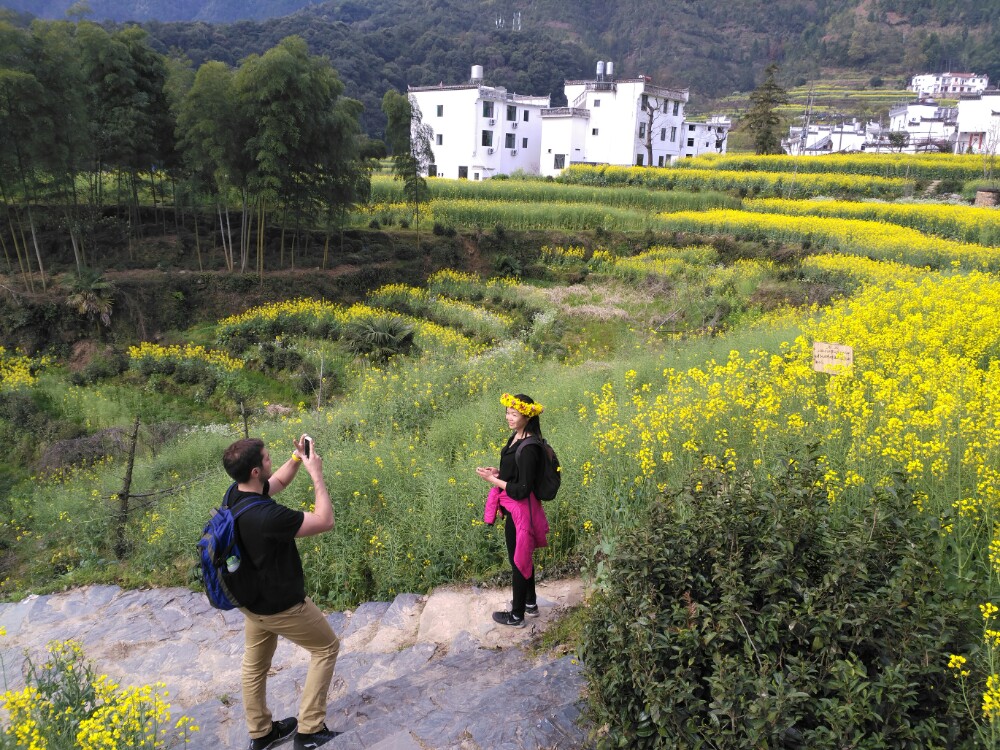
778 184
906 166
852 236
956 222
387 190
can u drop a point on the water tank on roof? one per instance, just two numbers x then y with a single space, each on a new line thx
610 69
477 72
600 68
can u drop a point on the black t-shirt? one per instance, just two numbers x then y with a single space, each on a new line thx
520 474
267 538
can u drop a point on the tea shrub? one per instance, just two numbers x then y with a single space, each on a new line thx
749 614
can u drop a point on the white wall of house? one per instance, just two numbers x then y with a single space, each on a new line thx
830 139
979 124
618 122
480 131
949 84
563 139
708 137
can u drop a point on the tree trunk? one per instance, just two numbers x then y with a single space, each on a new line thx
38 250
121 517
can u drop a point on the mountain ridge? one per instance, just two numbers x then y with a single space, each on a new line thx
534 47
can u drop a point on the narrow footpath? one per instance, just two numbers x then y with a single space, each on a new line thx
417 673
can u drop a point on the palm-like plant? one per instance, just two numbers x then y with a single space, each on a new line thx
91 295
379 338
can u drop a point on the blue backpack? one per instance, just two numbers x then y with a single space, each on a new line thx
220 555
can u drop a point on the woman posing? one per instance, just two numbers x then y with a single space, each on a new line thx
513 493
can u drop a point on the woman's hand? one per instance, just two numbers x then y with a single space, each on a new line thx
488 473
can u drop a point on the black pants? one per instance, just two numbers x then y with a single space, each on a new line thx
524 588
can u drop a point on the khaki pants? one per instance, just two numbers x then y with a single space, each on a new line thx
305 626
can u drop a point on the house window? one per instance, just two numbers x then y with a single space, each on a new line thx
524 143
509 141
645 101
663 136
673 134
525 115
597 102
463 173
593 131
690 128
487 109
677 108
439 139
666 103
659 161
638 160
432 170
690 142
487 137
642 130
440 110
475 175
559 161
511 113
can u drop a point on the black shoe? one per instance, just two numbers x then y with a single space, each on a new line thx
531 610
507 618
305 741
280 731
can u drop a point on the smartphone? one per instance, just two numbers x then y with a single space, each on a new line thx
306 444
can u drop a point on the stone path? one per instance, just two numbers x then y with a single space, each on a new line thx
419 672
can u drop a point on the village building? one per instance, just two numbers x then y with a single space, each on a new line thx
949 85
612 120
927 125
978 124
818 138
478 131
706 137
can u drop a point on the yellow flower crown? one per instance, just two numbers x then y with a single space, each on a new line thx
528 410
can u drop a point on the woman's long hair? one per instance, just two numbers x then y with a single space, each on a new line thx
534 427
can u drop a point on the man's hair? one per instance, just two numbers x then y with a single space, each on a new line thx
242 457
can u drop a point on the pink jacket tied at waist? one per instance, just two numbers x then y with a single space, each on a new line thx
530 525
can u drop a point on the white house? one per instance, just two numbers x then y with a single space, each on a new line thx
949 84
979 124
829 139
614 121
478 131
926 124
705 137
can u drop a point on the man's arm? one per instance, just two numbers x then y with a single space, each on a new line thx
320 518
287 471
284 475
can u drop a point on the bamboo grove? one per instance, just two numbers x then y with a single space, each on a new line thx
104 134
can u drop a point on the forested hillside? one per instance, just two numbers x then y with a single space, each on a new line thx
532 47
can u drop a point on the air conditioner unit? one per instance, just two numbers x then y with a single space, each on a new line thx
513 124
489 151
493 122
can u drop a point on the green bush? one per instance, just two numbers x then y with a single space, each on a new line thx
379 337
752 614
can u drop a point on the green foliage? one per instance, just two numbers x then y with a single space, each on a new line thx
378 338
66 705
762 120
749 612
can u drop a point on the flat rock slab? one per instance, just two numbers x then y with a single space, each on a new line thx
422 672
